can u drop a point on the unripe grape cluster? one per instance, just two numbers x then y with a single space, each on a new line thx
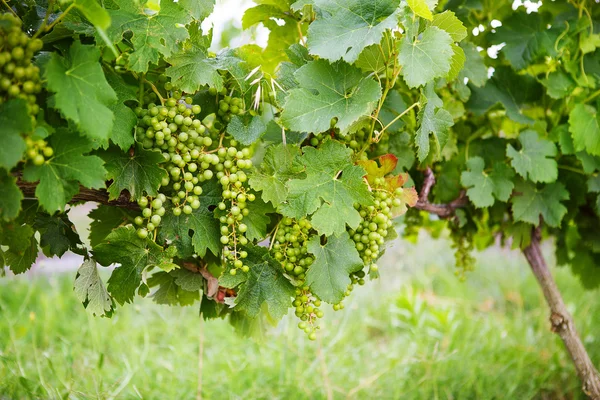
194 152
19 78
228 106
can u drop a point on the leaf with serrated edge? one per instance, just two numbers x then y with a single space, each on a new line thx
483 187
90 290
328 276
326 91
348 26
81 91
535 159
425 58
585 129
529 203
331 187
123 246
10 200
139 173
279 165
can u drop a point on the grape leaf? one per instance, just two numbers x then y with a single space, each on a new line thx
328 277
326 91
246 129
266 286
558 84
279 165
258 219
529 203
434 121
203 225
90 290
425 58
153 34
14 120
105 219
10 200
22 247
169 293
81 91
60 176
123 246
510 90
331 187
447 21
191 67
585 129
122 133
534 161
527 38
57 234
188 280
420 8
139 173
346 27
198 9
456 62
483 187
474 68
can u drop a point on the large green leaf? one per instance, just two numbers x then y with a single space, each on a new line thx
59 177
434 123
279 165
266 286
585 129
326 91
328 192
153 34
346 27
329 275
90 290
527 37
82 93
529 203
485 186
22 246
426 57
124 247
534 161
138 172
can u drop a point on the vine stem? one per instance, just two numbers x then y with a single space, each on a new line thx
561 320
592 96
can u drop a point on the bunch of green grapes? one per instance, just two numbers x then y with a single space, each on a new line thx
19 78
228 106
192 155
234 205
462 243
290 249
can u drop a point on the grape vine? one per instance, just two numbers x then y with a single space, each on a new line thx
254 180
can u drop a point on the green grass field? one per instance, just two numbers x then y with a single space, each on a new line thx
418 333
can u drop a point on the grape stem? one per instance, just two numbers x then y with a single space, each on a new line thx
402 114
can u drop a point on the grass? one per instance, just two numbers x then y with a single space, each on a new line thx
418 333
